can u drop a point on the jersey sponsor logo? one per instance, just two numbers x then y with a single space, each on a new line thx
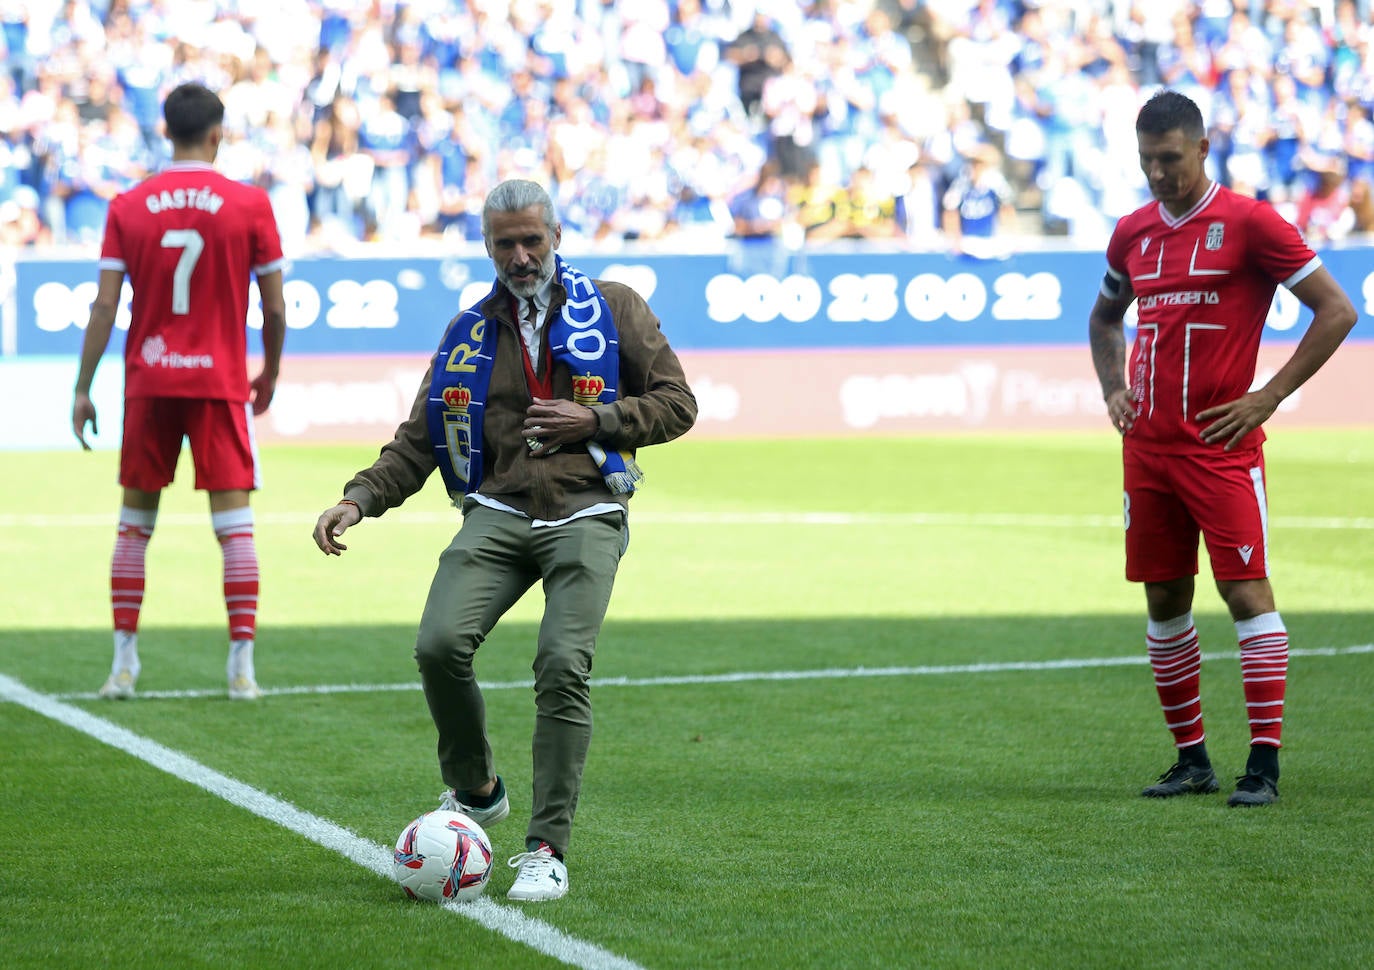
1182 298
155 354
203 199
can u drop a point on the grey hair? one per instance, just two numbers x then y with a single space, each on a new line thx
513 195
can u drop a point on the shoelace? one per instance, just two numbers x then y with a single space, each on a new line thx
539 863
1177 770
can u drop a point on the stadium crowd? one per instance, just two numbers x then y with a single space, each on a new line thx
686 123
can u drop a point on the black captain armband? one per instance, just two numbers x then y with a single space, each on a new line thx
1111 286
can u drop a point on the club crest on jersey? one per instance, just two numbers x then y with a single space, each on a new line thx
1214 236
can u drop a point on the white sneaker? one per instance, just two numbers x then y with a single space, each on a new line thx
243 688
243 685
540 877
484 817
119 685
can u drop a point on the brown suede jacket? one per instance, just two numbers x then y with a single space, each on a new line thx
655 405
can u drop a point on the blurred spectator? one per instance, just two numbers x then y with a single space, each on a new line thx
343 175
758 53
849 107
978 213
288 175
865 210
691 41
759 215
1358 142
20 225
1293 122
386 138
789 102
815 202
919 205
1362 205
257 94
1322 211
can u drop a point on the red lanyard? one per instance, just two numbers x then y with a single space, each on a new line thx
538 387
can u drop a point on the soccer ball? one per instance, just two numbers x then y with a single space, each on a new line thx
442 856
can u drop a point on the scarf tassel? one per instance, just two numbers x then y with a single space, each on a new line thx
619 480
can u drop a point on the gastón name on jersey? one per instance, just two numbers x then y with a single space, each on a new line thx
184 198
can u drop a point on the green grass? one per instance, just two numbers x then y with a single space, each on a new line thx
923 820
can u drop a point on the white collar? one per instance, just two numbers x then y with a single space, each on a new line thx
543 297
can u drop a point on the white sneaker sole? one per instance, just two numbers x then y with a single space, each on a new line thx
119 687
536 896
243 689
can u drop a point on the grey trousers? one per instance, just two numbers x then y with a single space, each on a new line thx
492 561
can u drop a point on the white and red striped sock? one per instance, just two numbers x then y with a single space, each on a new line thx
1264 675
1177 664
234 529
128 573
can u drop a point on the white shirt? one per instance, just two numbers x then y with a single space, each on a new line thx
531 329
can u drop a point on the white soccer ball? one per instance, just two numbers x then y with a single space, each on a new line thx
442 856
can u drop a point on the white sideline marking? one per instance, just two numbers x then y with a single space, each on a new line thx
954 519
505 920
834 673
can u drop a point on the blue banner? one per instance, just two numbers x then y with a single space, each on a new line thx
752 298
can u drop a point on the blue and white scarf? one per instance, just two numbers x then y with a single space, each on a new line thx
582 337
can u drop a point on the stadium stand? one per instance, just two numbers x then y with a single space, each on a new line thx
653 120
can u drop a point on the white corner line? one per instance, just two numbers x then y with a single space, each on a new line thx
505 920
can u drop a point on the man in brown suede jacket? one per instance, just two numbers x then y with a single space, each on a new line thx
532 410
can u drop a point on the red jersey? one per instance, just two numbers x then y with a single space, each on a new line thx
188 239
1203 283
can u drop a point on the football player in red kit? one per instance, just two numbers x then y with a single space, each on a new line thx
1201 263
189 239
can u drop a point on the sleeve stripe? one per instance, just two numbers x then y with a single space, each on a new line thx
1313 264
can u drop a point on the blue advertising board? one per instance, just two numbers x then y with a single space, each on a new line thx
760 300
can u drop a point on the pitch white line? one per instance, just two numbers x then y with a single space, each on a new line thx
504 920
937 519
744 676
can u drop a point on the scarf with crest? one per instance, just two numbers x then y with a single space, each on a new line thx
582 337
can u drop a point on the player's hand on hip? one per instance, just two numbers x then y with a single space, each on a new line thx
1121 409
332 523
1232 421
83 413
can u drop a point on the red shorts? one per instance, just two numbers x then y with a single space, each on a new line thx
220 434
1171 499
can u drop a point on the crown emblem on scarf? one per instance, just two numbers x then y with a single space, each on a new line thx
457 398
587 388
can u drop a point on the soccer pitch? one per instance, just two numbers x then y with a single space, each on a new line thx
866 702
